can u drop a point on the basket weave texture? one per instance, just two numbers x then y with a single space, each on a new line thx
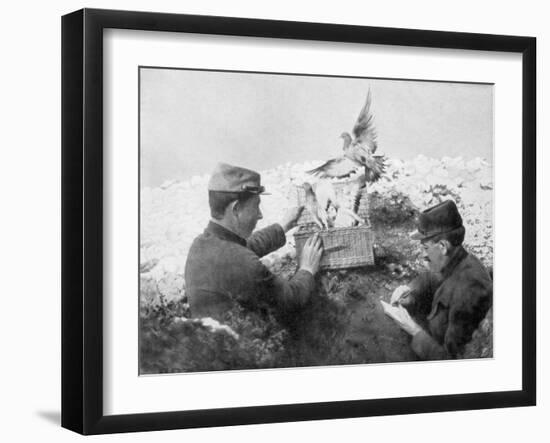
345 247
354 246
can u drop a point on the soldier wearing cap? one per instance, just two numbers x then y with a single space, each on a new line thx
223 266
451 298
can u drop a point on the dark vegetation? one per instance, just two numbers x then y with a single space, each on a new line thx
174 343
342 324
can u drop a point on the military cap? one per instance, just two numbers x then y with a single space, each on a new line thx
229 178
439 219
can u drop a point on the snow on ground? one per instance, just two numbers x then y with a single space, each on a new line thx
173 214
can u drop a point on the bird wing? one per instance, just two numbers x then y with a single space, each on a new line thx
340 167
375 165
364 131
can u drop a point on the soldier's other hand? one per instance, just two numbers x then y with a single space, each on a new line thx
311 254
402 317
399 295
290 219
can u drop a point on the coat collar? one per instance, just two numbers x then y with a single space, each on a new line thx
459 254
443 295
223 233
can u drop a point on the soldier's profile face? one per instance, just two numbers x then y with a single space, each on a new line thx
433 255
249 214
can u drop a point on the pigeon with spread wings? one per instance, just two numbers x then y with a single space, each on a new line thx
358 151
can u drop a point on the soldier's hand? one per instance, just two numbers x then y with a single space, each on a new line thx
311 254
291 217
402 317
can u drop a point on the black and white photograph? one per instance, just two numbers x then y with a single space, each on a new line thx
272 222
291 221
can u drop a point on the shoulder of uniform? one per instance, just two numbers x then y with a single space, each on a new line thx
471 283
472 270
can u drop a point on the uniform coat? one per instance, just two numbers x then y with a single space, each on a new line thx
452 303
224 270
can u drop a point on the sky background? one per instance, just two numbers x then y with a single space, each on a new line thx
190 120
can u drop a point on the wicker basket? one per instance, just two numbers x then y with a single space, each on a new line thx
345 247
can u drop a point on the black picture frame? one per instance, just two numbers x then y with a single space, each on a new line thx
82 220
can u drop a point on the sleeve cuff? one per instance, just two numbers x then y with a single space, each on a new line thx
280 234
421 342
306 274
425 346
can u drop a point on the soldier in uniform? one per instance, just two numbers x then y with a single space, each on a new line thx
449 300
223 266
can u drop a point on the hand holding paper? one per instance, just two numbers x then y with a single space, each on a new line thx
402 317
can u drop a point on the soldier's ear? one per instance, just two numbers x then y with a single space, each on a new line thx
445 246
235 207
232 209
